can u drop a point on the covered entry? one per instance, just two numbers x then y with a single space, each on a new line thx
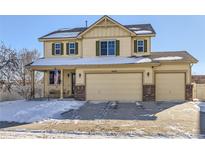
114 86
170 86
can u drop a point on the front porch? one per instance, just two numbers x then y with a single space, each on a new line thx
60 85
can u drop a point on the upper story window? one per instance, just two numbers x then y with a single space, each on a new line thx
72 48
57 48
107 48
140 45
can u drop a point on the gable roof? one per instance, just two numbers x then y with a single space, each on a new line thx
135 29
101 19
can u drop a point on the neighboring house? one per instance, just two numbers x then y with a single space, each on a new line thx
111 61
198 87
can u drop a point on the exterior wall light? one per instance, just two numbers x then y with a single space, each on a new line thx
148 74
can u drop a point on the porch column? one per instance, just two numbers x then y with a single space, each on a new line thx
32 84
62 83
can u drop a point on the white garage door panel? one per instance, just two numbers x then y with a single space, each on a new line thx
170 86
116 86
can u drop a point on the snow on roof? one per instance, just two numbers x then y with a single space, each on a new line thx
90 61
62 35
169 58
134 28
143 32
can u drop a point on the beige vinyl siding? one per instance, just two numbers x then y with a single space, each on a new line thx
109 69
114 86
89 46
106 32
48 48
170 86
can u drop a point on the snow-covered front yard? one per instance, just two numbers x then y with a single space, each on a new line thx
23 111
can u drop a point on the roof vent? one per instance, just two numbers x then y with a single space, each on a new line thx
86 23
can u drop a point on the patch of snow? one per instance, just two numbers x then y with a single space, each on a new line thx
169 58
145 60
62 35
89 61
134 28
143 32
30 111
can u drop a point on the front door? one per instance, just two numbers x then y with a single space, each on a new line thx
72 82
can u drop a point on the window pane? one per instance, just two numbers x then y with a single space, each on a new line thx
104 48
58 51
72 45
57 45
111 48
57 48
140 43
140 49
72 51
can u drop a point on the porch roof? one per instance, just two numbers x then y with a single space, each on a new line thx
153 58
90 61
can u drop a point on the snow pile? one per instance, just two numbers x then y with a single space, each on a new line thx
168 58
62 34
143 32
90 61
30 111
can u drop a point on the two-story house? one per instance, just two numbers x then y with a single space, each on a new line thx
111 61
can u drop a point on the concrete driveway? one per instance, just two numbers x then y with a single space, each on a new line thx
118 110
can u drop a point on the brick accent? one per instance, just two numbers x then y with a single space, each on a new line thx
188 92
148 92
79 92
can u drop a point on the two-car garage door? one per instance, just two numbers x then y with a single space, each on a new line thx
170 86
114 86
128 86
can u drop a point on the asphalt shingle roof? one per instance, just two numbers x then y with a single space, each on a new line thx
139 29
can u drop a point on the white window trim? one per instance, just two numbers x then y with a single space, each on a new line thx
56 48
72 48
140 46
107 47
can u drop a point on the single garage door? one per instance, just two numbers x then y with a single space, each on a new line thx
114 86
170 86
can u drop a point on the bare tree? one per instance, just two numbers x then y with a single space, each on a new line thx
8 65
14 75
22 73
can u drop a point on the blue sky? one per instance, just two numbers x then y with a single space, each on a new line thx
173 32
